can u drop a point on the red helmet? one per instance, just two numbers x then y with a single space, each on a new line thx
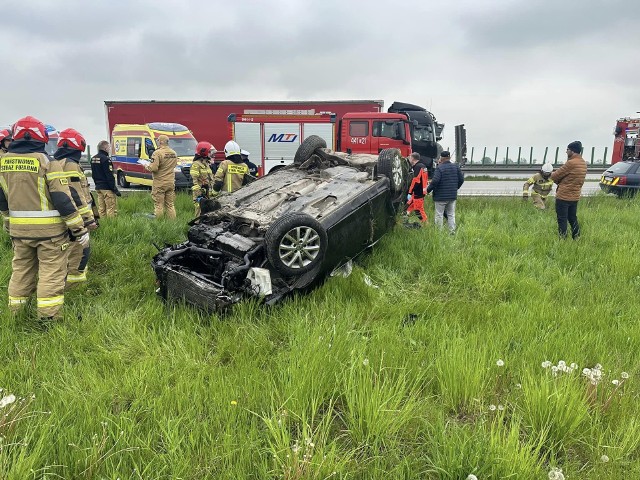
30 128
71 138
5 134
204 149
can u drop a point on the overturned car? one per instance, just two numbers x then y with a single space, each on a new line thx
287 230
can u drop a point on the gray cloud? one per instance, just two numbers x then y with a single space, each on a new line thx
515 72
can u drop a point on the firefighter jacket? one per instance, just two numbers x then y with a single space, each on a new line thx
34 194
541 186
570 178
418 187
102 171
78 183
162 167
231 175
201 173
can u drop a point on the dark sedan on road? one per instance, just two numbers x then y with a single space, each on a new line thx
622 178
286 231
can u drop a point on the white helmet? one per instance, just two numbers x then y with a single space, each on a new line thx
244 153
547 168
231 148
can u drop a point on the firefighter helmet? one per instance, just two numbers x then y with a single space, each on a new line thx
5 134
231 148
547 168
30 128
205 149
70 138
244 153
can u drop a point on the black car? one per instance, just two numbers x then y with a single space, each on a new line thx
622 178
286 231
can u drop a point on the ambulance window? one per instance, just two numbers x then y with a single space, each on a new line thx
358 129
133 146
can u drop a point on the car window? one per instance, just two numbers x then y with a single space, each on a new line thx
358 129
133 146
389 130
620 167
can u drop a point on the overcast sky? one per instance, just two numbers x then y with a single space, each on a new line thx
515 72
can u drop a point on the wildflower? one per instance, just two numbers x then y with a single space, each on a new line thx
556 474
561 364
8 400
519 386
501 407
546 364
616 382
492 408
573 366
586 372
604 459
500 363
365 362
233 402
472 477
624 375
554 371
296 447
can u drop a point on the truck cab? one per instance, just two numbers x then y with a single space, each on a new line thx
133 142
371 132
626 145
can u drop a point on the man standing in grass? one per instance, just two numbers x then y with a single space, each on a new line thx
447 179
162 167
570 178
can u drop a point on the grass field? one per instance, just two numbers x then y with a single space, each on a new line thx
434 371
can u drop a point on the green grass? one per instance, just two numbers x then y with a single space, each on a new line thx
350 381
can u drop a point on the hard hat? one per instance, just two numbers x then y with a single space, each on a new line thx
547 168
70 138
163 140
231 148
5 134
204 149
244 153
30 128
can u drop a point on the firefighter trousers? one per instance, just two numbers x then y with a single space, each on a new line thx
107 205
417 205
163 199
539 201
77 264
41 266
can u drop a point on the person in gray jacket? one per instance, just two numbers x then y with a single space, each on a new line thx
445 183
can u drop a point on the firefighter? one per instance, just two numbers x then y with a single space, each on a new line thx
418 188
253 168
201 173
232 172
162 167
41 221
71 144
542 185
5 140
102 174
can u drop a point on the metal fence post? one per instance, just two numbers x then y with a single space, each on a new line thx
593 152
506 157
519 154
557 151
604 157
484 154
531 156
472 149
495 157
546 149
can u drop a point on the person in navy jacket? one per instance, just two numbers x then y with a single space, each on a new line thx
446 181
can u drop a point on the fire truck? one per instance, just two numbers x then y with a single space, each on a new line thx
272 140
626 145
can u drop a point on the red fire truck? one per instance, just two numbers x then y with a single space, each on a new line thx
272 140
208 120
626 145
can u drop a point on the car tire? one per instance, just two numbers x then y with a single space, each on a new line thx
391 164
307 148
122 181
296 244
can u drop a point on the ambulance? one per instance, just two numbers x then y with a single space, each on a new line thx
133 142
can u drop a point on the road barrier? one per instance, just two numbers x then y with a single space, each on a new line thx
525 157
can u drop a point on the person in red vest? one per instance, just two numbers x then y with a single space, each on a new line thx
418 188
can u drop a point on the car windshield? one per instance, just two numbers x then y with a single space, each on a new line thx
183 147
620 167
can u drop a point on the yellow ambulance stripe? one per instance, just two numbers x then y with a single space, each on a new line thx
50 301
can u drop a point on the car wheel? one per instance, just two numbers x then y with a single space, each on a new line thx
392 165
122 181
296 244
307 148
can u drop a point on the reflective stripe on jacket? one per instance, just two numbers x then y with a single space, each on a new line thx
35 197
231 174
79 189
541 186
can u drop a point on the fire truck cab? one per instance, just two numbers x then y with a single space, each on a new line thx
274 139
626 145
